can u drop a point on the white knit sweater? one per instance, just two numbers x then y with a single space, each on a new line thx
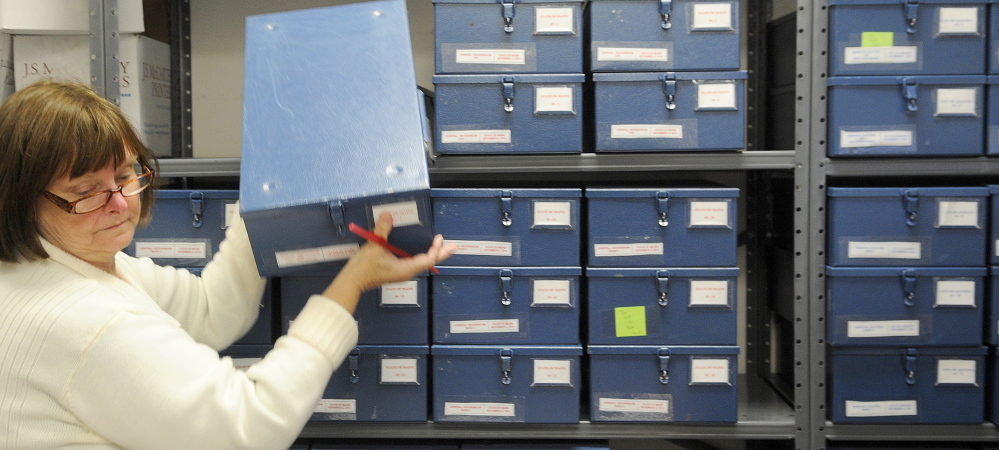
90 360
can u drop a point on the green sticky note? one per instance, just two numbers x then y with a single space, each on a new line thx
877 39
629 321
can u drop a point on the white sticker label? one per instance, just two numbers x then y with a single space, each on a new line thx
958 20
402 293
708 213
646 131
708 293
476 137
552 371
485 326
888 138
703 370
716 95
553 20
403 213
244 363
553 213
955 293
399 370
956 101
337 405
956 371
997 247
479 409
957 214
490 56
882 328
171 250
553 99
551 292
292 258
231 212
879 409
888 250
880 55
632 54
633 405
627 249
712 15
481 248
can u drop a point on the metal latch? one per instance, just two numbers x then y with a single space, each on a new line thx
665 10
662 207
506 285
506 364
910 199
911 9
910 91
352 364
508 93
336 215
197 208
669 88
508 14
908 286
662 286
664 365
506 205
910 366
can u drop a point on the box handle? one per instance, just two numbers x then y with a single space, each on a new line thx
508 92
352 364
908 279
664 365
669 89
910 366
910 91
666 10
335 209
506 285
662 207
910 199
911 10
506 205
508 14
506 364
197 203
662 285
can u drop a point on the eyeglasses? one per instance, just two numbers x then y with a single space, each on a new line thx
96 201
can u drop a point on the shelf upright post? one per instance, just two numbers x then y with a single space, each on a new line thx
104 54
180 61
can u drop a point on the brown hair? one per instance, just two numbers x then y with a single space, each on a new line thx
48 130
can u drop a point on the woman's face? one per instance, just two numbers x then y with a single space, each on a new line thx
98 235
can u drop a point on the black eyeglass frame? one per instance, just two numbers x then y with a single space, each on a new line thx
70 206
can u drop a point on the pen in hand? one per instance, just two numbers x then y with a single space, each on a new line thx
372 237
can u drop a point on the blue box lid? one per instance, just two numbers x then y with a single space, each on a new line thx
523 350
901 351
208 194
896 2
680 76
654 349
993 188
895 192
687 272
673 192
892 80
898 271
515 78
514 193
994 270
393 349
512 271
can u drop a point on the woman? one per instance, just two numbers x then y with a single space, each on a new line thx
102 350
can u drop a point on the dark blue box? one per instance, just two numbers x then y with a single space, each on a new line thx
994 228
515 305
650 35
992 386
653 306
993 52
378 384
907 115
666 227
891 37
992 109
521 36
509 227
663 383
187 227
509 113
907 385
992 308
927 226
508 384
669 111
262 331
905 306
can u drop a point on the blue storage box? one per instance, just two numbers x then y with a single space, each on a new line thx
992 308
993 51
669 111
992 386
663 383
375 383
509 227
392 314
928 226
905 306
243 356
993 244
667 227
523 36
992 120
907 116
262 331
651 35
654 306
511 113
907 385
893 37
334 141
510 384
515 305
187 227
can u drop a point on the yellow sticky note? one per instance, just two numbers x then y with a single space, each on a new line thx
629 321
877 39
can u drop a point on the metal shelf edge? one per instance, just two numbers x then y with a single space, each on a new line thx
881 167
912 433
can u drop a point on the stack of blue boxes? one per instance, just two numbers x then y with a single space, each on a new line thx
992 309
505 309
666 75
662 289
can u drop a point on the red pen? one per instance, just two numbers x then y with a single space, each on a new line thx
372 237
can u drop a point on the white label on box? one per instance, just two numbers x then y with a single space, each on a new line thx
552 371
627 249
485 326
712 15
632 54
553 99
306 256
882 328
879 409
553 20
553 213
490 56
403 213
887 138
171 250
997 247
479 409
716 95
958 21
231 212
884 250
477 137
703 370
646 131
880 55
244 363
708 292
955 293
481 248
956 101
633 405
957 214
551 292
399 370
337 405
708 213
402 293
956 371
